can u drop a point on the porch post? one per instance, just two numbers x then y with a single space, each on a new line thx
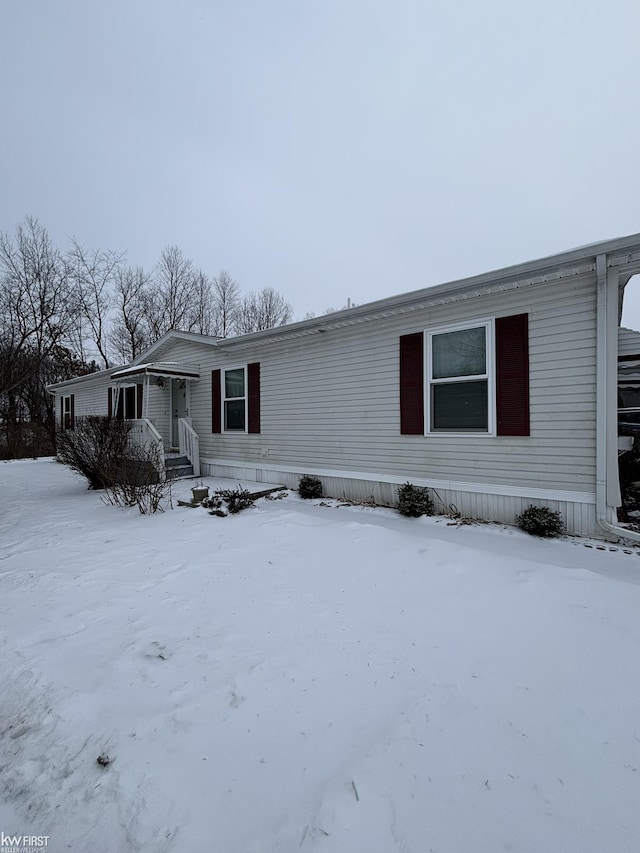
116 398
145 396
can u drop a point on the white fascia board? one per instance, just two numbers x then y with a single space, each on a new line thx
86 377
173 335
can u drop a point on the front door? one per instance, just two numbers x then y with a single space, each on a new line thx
179 408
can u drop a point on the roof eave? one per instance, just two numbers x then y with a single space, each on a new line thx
163 369
572 262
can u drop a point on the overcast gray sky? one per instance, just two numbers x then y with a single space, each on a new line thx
329 149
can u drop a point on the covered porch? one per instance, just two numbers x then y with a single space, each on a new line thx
156 396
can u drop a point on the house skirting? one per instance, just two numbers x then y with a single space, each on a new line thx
486 501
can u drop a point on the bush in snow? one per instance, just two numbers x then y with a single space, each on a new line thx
212 502
414 501
540 521
236 499
100 449
95 448
140 481
310 487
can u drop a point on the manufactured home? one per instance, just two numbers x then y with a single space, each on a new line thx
497 392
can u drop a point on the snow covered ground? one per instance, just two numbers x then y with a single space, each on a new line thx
309 678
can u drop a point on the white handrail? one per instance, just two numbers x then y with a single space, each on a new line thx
153 433
145 433
189 444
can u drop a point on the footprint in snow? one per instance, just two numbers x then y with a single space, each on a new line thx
235 700
158 651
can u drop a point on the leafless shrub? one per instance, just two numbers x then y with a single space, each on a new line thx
140 481
95 448
131 474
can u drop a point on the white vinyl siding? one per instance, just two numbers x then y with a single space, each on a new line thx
332 400
330 403
90 396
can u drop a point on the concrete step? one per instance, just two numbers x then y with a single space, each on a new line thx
173 460
174 472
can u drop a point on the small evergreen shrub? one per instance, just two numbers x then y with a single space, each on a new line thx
541 521
212 502
235 499
414 501
310 487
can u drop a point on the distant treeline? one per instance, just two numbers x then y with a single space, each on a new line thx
68 312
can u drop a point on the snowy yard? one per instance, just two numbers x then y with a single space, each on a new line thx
308 678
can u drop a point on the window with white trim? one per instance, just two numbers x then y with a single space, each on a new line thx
234 399
460 382
66 412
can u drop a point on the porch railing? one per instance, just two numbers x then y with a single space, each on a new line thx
145 434
189 444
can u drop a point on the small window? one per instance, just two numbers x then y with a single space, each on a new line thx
460 388
127 403
234 399
66 413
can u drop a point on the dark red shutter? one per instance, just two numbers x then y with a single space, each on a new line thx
62 426
109 402
139 399
216 402
512 374
72 413
253 397
412 384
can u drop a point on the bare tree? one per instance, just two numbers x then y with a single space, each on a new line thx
37 305
130 333
203 321
226 304
263 310
37 311
173 295
93 271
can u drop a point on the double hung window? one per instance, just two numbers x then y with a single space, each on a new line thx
459 375
469 378
67 412
235 399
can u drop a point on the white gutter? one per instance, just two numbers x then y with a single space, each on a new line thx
607 481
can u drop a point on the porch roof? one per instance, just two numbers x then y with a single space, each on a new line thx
167 369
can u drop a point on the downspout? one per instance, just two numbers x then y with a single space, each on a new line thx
607 483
